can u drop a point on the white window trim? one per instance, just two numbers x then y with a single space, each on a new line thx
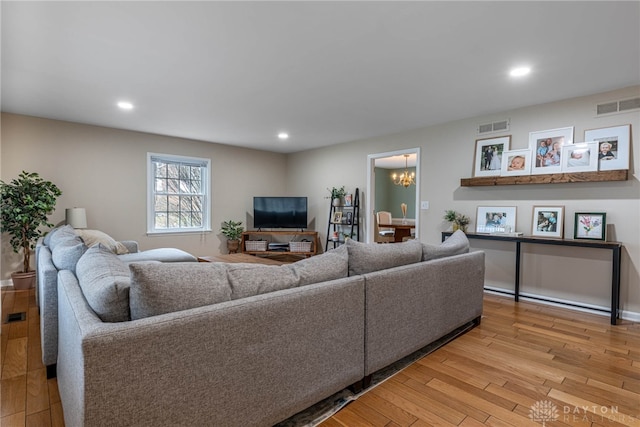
206 205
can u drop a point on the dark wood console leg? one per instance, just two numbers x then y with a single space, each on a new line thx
51 371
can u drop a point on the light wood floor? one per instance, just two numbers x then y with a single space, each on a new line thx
520 355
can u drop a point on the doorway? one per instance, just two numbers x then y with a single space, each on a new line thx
384 194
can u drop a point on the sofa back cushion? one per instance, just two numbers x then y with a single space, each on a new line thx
456 244
254 279
367 257
331 265
67 252
158 288
105 282
58 234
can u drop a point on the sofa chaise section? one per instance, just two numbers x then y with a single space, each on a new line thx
247 362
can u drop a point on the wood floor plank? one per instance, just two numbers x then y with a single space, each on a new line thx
15 359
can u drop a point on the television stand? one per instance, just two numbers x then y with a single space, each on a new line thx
278 242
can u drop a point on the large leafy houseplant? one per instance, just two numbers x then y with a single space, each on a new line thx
24 206
232 230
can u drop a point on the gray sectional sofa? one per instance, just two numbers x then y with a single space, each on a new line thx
245 344
61 249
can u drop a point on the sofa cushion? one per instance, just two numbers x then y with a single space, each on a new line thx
253 279
67 253
367 257
456 244
330 265
158 288
105 281
58 235
160 254
93 237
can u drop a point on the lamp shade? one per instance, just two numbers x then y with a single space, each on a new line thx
76 217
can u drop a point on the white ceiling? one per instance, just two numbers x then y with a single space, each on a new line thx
326 72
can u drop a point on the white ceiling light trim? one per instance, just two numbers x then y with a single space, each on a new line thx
125 105
520 71
283 135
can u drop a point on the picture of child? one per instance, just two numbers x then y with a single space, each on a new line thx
578 158
516 163
605 151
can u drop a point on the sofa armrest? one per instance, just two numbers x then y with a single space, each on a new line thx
131 245
253 361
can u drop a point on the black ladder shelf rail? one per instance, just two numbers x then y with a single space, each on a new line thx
352 228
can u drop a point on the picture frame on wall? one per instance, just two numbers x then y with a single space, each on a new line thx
590 225
613 146
546 147
488 156
516 162
580 157
495 219
548 221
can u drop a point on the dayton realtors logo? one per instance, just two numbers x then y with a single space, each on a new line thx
544 411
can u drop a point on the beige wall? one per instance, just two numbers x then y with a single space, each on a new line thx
581 275
104 171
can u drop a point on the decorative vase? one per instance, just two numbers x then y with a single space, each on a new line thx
233 246
336 201
23 281
455 226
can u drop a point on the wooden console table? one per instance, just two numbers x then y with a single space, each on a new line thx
614 247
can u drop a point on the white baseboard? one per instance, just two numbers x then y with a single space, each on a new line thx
571 305
6 283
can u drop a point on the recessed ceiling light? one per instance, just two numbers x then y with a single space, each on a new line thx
283 135
519 71
125 105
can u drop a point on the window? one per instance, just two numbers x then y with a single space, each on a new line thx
178 194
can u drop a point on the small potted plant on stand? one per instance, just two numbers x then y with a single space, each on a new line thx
337 194
24 206
232 230
457 220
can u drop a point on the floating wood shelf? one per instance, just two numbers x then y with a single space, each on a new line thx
554 178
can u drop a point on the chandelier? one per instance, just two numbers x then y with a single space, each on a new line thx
405 179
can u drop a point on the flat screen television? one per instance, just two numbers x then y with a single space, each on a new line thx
280 212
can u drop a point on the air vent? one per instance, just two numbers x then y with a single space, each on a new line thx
500 126
618 106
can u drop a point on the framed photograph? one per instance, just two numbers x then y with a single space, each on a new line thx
590 225
613 146
349 217
496 219
546 146
548 221
347 199
516 162
581 157
488 158
337 217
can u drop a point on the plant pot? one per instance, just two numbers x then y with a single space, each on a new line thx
336 202
457 227
23 281
233 246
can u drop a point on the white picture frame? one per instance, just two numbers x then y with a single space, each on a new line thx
488 156
619 138
495 219
546 152
516 162
548 221
580 157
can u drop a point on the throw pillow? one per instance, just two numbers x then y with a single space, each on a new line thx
158 288
330 265
104 281
456 244
368 257
67 253
253 279
60 234
93 237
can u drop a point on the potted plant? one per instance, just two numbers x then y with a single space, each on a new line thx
232 230
337 194
24 206
458 220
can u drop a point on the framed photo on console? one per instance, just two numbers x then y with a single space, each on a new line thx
590 225
548 221
613 146
488 158
546 146
496 219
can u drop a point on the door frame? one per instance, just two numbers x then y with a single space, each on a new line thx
371 190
